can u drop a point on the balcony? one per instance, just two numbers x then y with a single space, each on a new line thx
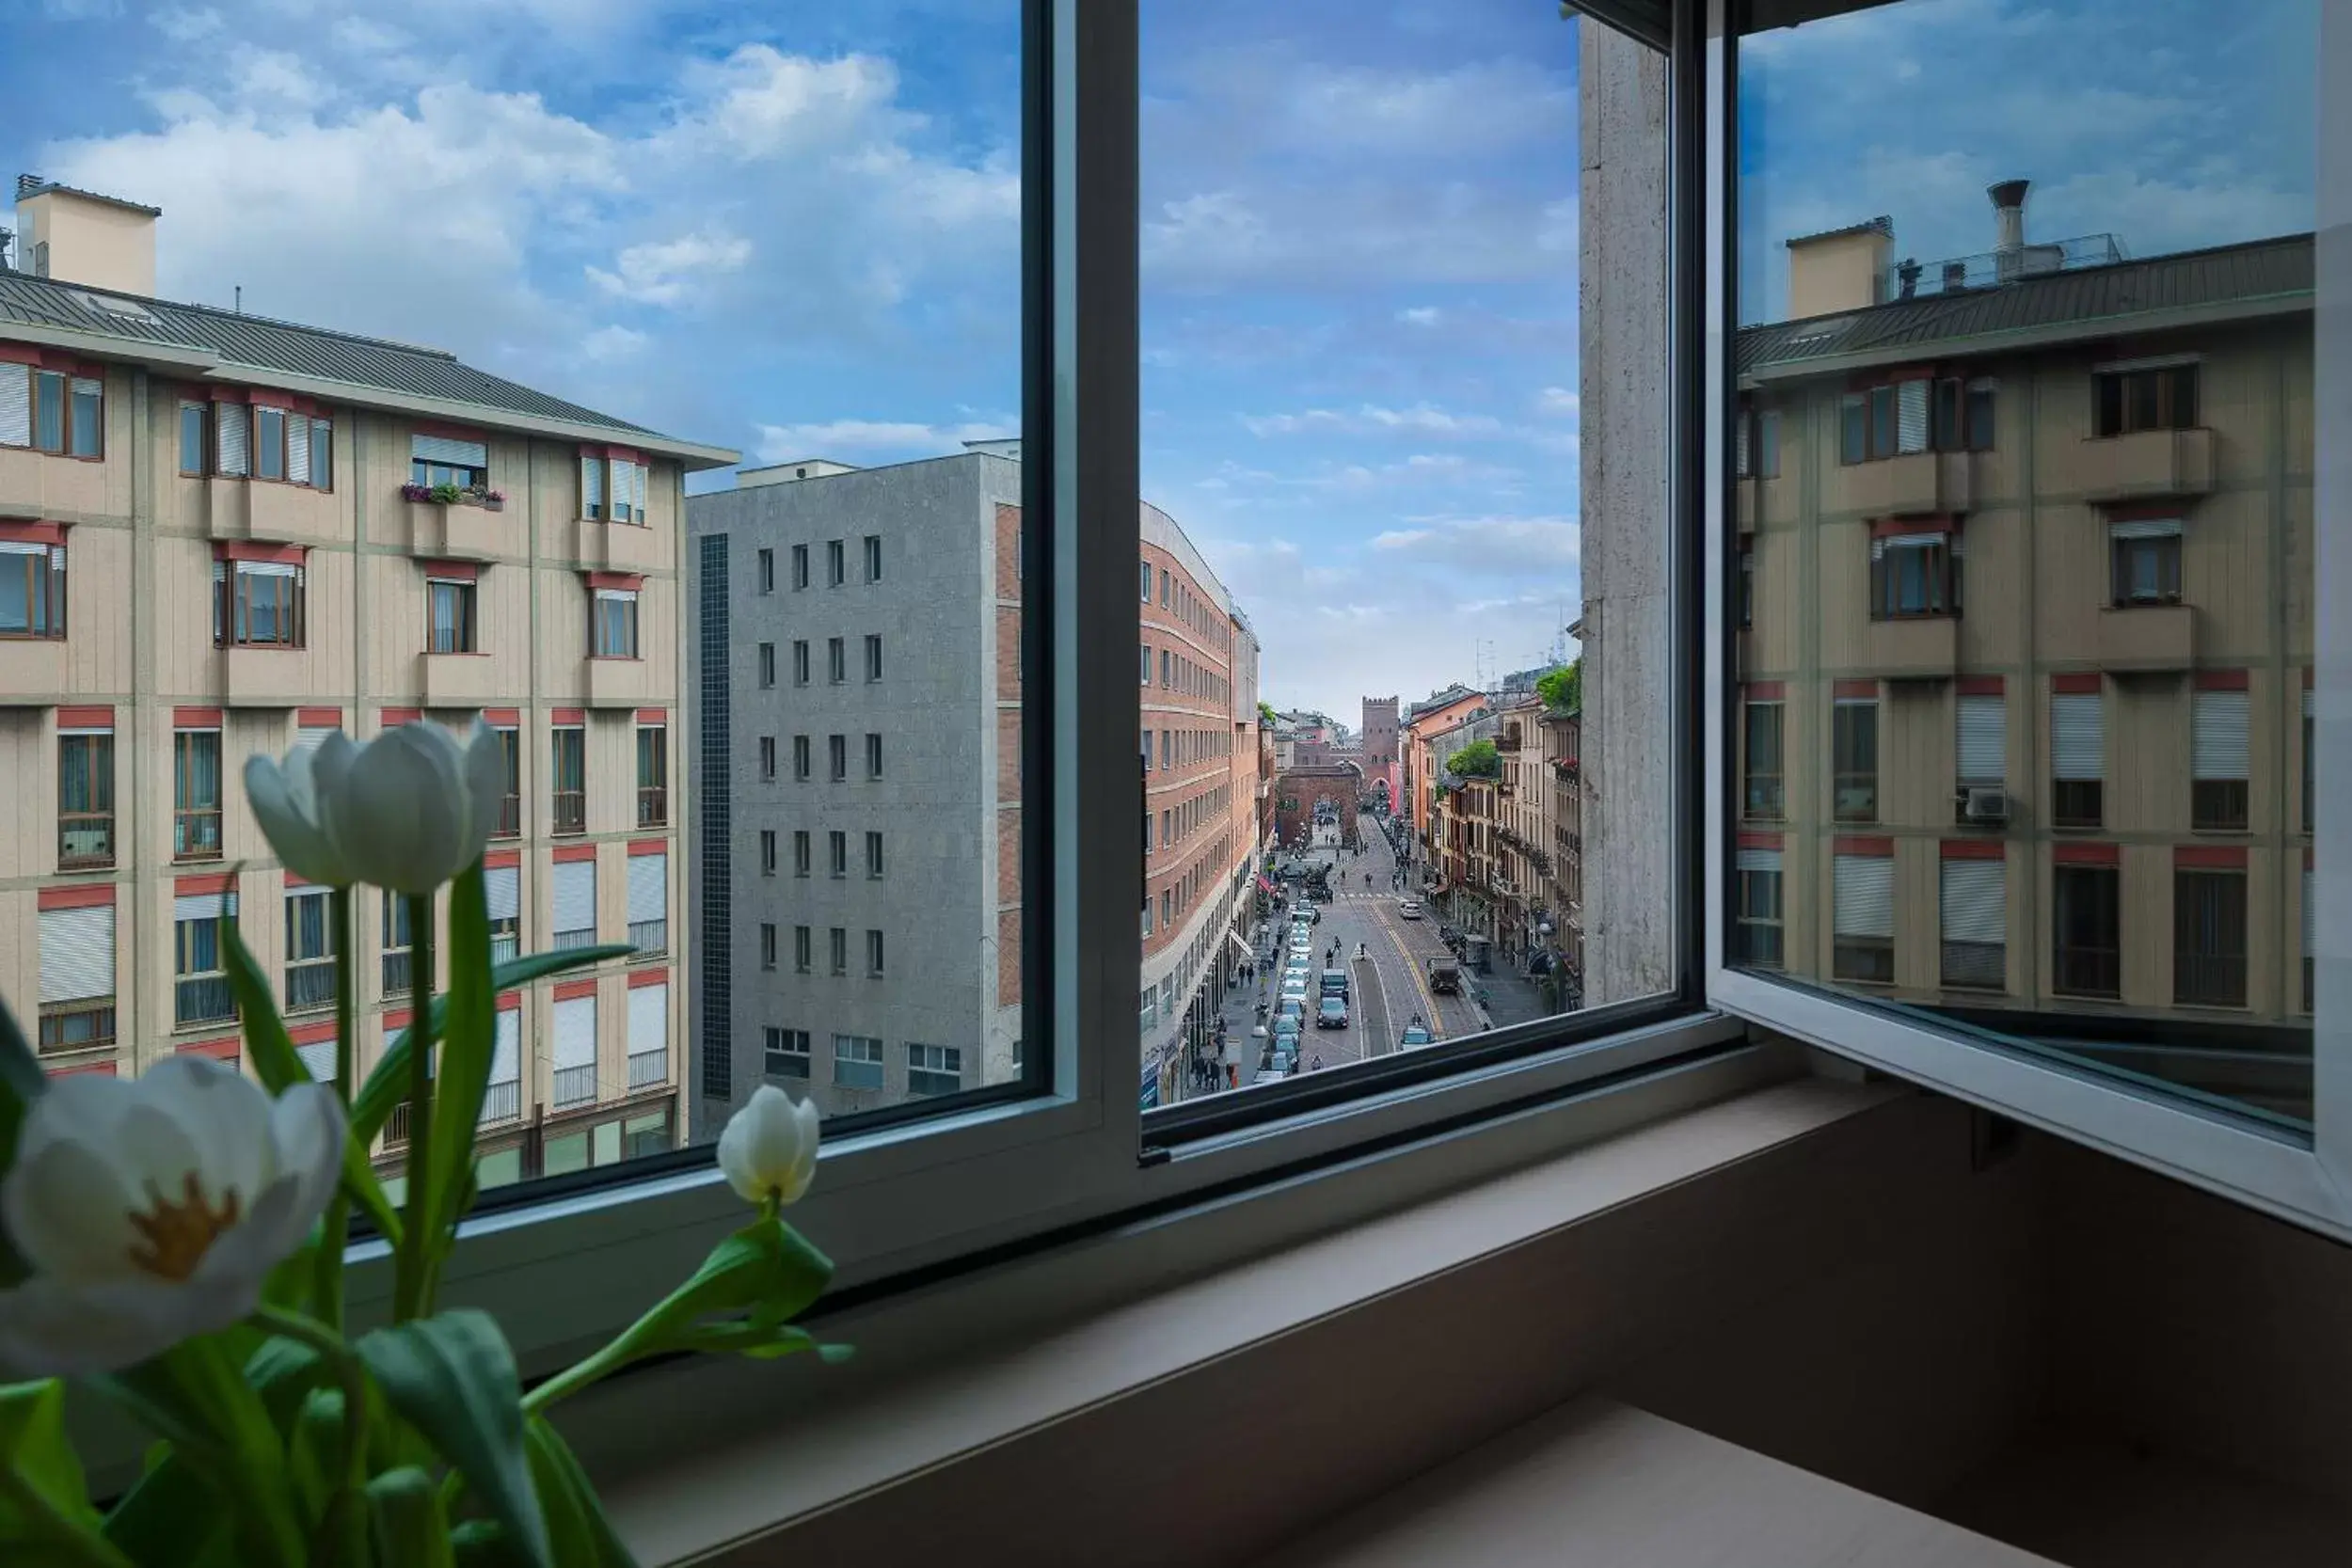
456 680
264 676
2148 464
33 670
648 1070
571 811
85 840
501 1102
620 547
461 533
2147 637
265 512
574 1086
309 982
653 806
649 936
202 999
1913 647
621 683
1917 484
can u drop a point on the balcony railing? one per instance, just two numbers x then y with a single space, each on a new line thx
501 1102
396 1126
653 807
585 937
2087 971
73 1025
195 834
510 823
309 982
2209 979
574 1086
85 840
1988 268
202 999
649 936
396 972
504 947
647 1068
571 811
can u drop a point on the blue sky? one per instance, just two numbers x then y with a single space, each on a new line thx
793 229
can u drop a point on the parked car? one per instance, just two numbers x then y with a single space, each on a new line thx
1268 1075
1293 1009
1335 983
1408 910
1415 1035
1332 1014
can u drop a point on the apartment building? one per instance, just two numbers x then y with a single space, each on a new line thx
1562 869
231 536
2024 578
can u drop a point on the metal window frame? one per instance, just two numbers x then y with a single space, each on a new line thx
2310 1183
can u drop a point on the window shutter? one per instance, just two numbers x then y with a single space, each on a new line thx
2218 747
648 887
233 421
16 406
592 486
318 1059
1864 886
310 737
2146 528
1758 859
506 1047
575 895
1911 416
440 449
1740 445
2078 746
503 887
77 953
202 905
1976 906
1981 739
649 1019
576 1031
298 450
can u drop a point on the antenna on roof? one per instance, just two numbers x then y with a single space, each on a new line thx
6 235
240 299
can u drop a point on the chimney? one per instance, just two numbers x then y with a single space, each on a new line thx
1844 269
1955 277
81 237
2009 226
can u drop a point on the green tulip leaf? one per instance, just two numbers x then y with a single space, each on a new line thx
171 1518
36 1453
196 1397
480 1544
467 1030
453 1378
582 1536
314 1451
405 1511
767 1268
22 1081
387 1085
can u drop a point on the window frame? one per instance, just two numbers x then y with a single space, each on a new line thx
235 583
466 636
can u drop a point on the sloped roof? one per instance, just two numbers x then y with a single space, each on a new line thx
2276 269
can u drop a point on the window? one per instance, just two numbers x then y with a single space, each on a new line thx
767 664
838 949
573 1026
613 487
85 800
767 756
32 589
800 566
1743 592
52 411
874 855
767 559
2209 938
649 902
2087 954
786 1053
874 953
613 625
2078 756
1914 574
873 755
837 853
1759 918
836 660
1976 920
191 437
77 976
569 794
799 756
837 755
257 604
437 460
800 663
195 795
873 557
1863 891
2161 398
1854 759
232 439
653 775
802 958
201 985
873 657
1146 581
2218 755
1980 740
394 960
767 851
1755 436
837 564
510 822
800 844
310 951
934 1068
857 1062
289 445
502 888
2147 561
1146 663
449 615
572 902
767 945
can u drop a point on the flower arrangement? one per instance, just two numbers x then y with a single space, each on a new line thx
174 1244
415 492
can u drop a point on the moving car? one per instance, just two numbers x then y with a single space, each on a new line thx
1332 1014
1415 1035
1268 1075
1408 910
1335 983
1445 976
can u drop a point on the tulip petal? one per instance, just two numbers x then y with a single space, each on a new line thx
382 813
223 1117
286 808
486 781
308 1128
53 1328
68 1209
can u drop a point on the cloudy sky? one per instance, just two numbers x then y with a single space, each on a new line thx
793 229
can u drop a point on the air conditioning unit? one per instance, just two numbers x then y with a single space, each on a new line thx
1984 804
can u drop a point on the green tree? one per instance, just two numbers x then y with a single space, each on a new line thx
1266 713
1563 689
1476 760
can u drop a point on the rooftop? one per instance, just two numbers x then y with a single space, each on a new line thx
31 186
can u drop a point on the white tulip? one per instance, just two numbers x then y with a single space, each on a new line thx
769 1150
408 811
151 1210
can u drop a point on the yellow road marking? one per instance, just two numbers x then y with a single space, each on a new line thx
1421 982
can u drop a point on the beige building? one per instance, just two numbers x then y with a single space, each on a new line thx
222 535
2023 588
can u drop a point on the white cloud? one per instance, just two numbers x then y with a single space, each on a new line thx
185 25
1506 545
1370 419
608 343
1419 315
1558 401
662 271
780 443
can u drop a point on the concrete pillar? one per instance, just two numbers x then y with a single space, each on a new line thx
1622 371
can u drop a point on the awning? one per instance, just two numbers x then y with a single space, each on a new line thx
1247 952
1265 886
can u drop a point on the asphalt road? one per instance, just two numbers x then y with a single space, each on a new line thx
1390 983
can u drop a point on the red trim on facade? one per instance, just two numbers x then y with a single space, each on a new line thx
295 880
1907 373
1980 686
2085 854
449 432
393 718
624 455
1863 845
222 1050
106 1067
567 716
572 989
2082 682
1975 849
97 716
2143 511
318 718
1764 691
195 718
50 360
652 716
214 881
89 895
310 1034
239 550
451 571
510 717
1891 528
19 532
1855 688
627 582
648 846
1751 840
2202 857
495 858
510 1002
270 397
19 354
640 977
564 852
395 1020
2221 680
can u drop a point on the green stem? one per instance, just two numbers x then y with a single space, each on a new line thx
327 1289
337 1355
409 1289
75 1543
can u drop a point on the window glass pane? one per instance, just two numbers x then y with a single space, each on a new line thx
2084 773
1362 577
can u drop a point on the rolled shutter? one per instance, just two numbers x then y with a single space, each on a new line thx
1864 886
268 569
1981 740
16 406
202 905
318 1059
77 953
2217 741
1758 860
1911 416
298 450
440 449
2078 746
648 887
576 1032
233 421
1976 906
506 1042
649 1019
592 486
575 895
310 737
1740 446
503 887
2147 528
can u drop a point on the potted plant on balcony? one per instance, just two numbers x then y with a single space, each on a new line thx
174 1244
494 501
415 492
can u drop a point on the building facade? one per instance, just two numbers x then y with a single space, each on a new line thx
212 530
1564 877
1382 776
